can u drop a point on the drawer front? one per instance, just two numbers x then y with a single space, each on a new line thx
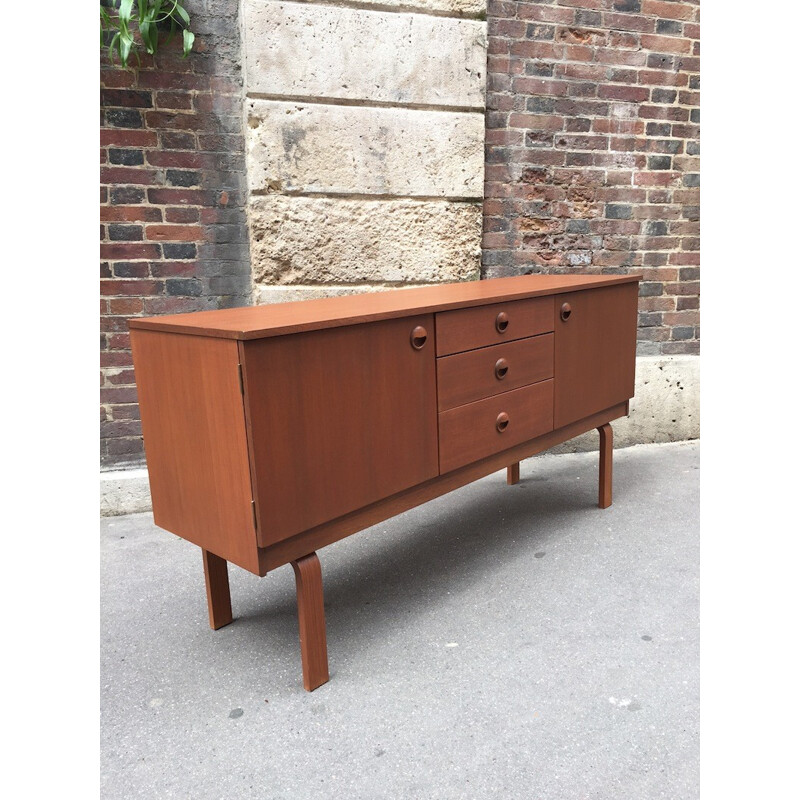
472 432
481 326
466 377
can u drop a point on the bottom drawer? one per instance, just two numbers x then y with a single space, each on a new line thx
476 430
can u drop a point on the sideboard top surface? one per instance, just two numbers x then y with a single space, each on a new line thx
257 322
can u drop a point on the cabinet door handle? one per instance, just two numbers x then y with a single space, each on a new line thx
501 423
566 310
501 323
418 337
500 368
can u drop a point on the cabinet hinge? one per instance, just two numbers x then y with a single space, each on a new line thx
241 379
255 520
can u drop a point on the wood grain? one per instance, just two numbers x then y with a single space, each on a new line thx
595 351
337 420
218 590
606 465
469 433
470 376
195 441
333 531
311 619
469 328
255 322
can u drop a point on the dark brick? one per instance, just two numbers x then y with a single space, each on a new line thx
577 226
540 32
655 227
691 213
691 179
123 118
628 5
663 95
126 99
671 27
693 148
125 233
659 162
589 19
126 195
540 105
651 289
540 68
694 116
131 269
128 158
177 177
191 287
694 81
617 211
658 129
680 332
179 250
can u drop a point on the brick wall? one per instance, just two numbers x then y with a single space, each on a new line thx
593 150
173 226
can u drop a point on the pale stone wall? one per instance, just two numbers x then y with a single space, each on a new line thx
365 141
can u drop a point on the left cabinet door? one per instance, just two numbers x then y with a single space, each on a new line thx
338 419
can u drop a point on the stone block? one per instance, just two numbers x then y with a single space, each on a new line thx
446 8
295 147
307 240
302 50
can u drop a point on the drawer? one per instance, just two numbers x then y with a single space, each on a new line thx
465 377
481 326
472 432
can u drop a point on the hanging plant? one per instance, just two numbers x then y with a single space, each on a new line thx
118 18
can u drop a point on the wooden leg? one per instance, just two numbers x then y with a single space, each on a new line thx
218 591
606 464
512 475
311 616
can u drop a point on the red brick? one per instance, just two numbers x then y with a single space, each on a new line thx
130 214
174 233
127 175
667 10
631 94
173 100
181 214
127 137
137 288
129 250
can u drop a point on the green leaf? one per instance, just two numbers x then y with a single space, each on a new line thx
111 47
126 10
182 13
146 29
125 45
188 41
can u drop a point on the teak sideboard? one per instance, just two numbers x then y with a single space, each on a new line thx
272 431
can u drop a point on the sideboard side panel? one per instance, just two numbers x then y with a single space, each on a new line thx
595 351
338 419
195 441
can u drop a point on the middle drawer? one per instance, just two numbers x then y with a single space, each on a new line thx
465 377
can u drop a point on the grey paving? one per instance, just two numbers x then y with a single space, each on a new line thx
511 642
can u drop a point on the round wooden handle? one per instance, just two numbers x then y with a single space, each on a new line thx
566 310
501 323
500 368
501 423
418 337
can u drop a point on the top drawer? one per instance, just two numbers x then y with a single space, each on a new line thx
468 328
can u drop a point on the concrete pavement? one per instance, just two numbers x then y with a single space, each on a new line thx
512 642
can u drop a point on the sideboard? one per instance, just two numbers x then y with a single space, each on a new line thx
272 431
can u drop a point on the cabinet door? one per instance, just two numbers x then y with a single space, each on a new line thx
595 350
338 419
